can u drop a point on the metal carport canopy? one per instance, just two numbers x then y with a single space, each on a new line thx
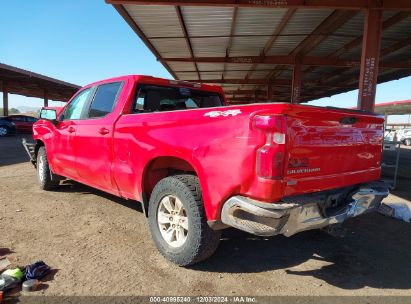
400 107
278 50
22 82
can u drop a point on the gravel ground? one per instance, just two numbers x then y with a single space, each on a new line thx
100 245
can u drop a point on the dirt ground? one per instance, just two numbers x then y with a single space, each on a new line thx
100 245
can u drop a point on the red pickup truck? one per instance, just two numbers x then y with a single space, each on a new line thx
198 166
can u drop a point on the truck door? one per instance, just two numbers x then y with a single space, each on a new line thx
63 156
94 138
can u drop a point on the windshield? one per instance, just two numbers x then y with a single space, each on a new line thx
152 98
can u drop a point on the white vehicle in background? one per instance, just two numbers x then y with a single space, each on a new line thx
404 136
389 135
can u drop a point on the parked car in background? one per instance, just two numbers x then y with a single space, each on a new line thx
24 123
404 136
199 166
7 127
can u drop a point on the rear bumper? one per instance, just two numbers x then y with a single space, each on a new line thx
300 213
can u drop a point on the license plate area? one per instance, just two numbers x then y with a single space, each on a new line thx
335 202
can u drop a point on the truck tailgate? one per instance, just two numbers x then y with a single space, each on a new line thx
323 141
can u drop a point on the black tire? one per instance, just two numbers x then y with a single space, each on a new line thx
201 240
4 131
407 142
44 175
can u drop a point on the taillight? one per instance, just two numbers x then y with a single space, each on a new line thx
270 157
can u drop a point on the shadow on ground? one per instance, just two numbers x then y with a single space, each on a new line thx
403 189
5 251
75 187
376 252
12 151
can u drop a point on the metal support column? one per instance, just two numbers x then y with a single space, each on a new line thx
296 83
46 100
370 58
269 93
5 99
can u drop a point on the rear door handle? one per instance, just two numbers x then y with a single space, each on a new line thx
71 129
103 131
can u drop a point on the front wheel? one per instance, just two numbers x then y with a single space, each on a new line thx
44 174
407 142
178 223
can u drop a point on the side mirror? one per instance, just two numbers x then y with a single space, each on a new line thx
49 114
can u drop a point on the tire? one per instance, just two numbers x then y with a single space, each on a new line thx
4 131
199 240
44 174
407 142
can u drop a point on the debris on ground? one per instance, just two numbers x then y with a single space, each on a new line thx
10 279
30 285
29 276
36 270
4 263
401 211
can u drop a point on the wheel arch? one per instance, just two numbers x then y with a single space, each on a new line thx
159 168
39 143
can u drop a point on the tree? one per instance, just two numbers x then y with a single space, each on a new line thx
11 111
14 111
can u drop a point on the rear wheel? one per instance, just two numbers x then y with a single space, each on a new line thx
407 142
4 131
178 223
44 174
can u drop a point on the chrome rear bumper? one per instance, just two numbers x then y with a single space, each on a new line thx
300 213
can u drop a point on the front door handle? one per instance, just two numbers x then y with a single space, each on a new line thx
103 131
71 129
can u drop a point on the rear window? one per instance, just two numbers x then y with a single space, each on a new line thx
151 98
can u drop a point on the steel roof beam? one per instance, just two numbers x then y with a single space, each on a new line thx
278 30
230 42
357 41
396 46
382 65
275 82
123 13
186 37
287 60
314 4
278 82
335 20
330 24
244 92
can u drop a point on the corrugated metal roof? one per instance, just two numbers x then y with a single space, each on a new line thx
31 84
238 32
156 20
208 21
258 21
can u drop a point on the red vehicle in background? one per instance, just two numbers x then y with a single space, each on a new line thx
198 166
24 123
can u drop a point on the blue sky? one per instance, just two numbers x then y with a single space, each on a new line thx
81 41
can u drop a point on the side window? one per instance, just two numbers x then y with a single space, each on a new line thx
76 106
153 98
104 99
